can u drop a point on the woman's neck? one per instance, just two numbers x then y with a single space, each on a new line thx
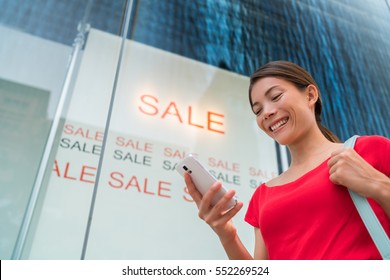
312 147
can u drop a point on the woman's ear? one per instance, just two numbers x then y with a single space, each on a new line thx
312 94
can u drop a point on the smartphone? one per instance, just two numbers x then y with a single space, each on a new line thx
202 178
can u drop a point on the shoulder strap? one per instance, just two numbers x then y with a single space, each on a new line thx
368 216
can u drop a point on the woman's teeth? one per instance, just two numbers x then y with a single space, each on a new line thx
278 124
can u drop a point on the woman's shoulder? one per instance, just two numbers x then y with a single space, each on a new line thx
376 142
375 150
373 138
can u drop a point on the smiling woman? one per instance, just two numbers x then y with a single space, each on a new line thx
295 75
305 212
280 105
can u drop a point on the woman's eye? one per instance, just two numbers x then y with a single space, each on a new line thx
258 112
276 97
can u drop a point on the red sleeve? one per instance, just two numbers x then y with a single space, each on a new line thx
376 151
252 214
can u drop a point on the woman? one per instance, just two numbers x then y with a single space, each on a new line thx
306 212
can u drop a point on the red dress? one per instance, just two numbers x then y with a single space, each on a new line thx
312 218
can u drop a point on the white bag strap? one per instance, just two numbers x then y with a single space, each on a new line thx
368 216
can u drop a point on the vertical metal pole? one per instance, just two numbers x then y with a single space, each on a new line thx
129 6
284 157
83 28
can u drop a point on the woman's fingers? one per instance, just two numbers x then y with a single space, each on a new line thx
218 215
220 211
192 190
206 203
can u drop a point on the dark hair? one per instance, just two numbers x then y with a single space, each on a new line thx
300 78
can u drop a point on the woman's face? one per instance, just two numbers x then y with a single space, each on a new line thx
283 111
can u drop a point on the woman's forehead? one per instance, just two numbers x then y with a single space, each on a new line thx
265 85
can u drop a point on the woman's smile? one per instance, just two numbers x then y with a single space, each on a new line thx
278 124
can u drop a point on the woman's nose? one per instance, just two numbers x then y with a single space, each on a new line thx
268 111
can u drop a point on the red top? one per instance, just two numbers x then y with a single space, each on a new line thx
312 218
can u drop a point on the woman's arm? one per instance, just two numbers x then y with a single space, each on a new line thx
260 249
381 193
348 168
218 219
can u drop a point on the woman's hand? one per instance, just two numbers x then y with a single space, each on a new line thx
349 169
215 216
